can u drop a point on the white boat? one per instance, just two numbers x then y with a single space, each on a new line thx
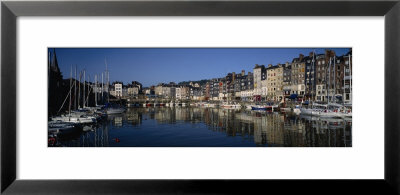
347 112
315 109
334 110
61 128
78 119
297 110
248 107
329 114
258 107
306 111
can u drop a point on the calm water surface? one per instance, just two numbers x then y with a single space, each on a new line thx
211 127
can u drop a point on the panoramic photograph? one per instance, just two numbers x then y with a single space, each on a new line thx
199 97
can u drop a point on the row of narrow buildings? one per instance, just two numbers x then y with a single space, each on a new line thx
316 77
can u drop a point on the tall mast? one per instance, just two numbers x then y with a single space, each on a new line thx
344 81
79 90
84 88
95 91
88 89
108 86
351 78
107 80
312 70
70 96
334 77
75 92
102 89
329 86
326 79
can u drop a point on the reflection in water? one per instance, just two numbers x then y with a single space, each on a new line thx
209 127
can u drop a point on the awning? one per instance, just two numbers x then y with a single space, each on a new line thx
293 96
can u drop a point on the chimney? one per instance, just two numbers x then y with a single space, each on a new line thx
301 56
243 72
311 54
327 54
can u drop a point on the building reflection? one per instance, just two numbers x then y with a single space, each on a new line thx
261 128
266 129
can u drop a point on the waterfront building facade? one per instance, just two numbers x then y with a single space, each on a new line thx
279 82
321 76
298 75
133 91
287 84
178 93
309 77
258 71
316 77
117 86
271 82
347 77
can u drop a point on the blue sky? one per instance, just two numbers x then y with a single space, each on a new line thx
151 66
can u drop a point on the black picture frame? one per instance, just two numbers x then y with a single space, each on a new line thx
10 10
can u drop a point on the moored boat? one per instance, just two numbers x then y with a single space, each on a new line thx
61 128
258 107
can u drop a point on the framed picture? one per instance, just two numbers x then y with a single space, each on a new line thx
184 108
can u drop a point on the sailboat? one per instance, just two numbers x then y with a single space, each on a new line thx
312 110
72 116
110 109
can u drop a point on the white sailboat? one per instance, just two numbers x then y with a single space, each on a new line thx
72 117
111 109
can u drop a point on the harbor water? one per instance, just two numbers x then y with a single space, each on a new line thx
211 127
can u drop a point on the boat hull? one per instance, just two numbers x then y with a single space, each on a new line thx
258 108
